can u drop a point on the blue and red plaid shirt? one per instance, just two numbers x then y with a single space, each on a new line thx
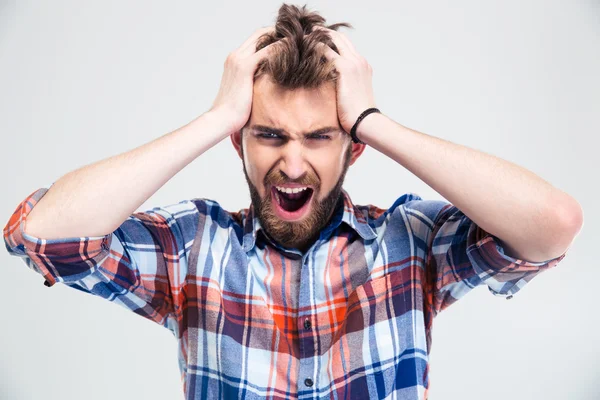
349 319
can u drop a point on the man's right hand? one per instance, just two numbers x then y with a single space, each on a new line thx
235 94
96 199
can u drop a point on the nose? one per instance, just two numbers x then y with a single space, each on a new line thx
293 163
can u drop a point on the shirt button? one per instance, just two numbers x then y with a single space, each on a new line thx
307 324
308 382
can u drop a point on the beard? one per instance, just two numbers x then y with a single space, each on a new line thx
296 234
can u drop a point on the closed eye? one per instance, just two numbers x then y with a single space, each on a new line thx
320 137
269 135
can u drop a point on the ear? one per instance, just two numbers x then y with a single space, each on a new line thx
236 140
357 150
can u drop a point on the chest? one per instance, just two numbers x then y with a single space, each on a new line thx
276 319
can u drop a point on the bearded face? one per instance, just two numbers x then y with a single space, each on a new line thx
295 157
293 212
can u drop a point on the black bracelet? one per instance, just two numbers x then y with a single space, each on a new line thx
368 111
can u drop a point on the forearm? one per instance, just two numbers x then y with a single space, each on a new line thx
95 199
534 218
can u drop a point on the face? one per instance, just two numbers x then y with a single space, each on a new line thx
295 157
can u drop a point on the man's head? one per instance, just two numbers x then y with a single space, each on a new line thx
293 137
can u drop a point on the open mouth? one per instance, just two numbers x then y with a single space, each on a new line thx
291 205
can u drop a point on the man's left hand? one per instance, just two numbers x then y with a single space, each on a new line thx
354 87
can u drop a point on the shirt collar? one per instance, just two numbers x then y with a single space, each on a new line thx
345 212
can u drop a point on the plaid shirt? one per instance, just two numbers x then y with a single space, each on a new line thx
349 319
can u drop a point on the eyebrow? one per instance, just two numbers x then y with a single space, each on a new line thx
277 131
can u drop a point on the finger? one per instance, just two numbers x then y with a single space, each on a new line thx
330 54
343 44
250 43
339 61
264 52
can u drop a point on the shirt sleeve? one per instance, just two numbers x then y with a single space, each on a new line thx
461 256
141 265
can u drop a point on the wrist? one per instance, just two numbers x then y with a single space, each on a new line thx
369 126
221 121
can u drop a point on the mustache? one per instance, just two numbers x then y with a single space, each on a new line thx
279 178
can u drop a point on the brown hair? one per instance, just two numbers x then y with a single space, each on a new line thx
298 61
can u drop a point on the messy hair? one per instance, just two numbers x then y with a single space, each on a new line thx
298 61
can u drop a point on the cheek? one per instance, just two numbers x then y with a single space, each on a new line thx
257 168
251 161
329 169
337 160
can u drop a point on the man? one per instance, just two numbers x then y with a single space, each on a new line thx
303 294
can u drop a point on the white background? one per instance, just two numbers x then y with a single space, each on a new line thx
82 81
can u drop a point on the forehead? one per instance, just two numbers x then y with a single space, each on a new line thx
295 110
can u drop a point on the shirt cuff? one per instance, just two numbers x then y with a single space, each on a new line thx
57 260
504 275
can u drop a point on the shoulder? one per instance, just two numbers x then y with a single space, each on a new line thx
409 209
188 218
211 209
408 203
428 210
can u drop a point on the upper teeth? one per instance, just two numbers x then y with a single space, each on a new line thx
291 190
